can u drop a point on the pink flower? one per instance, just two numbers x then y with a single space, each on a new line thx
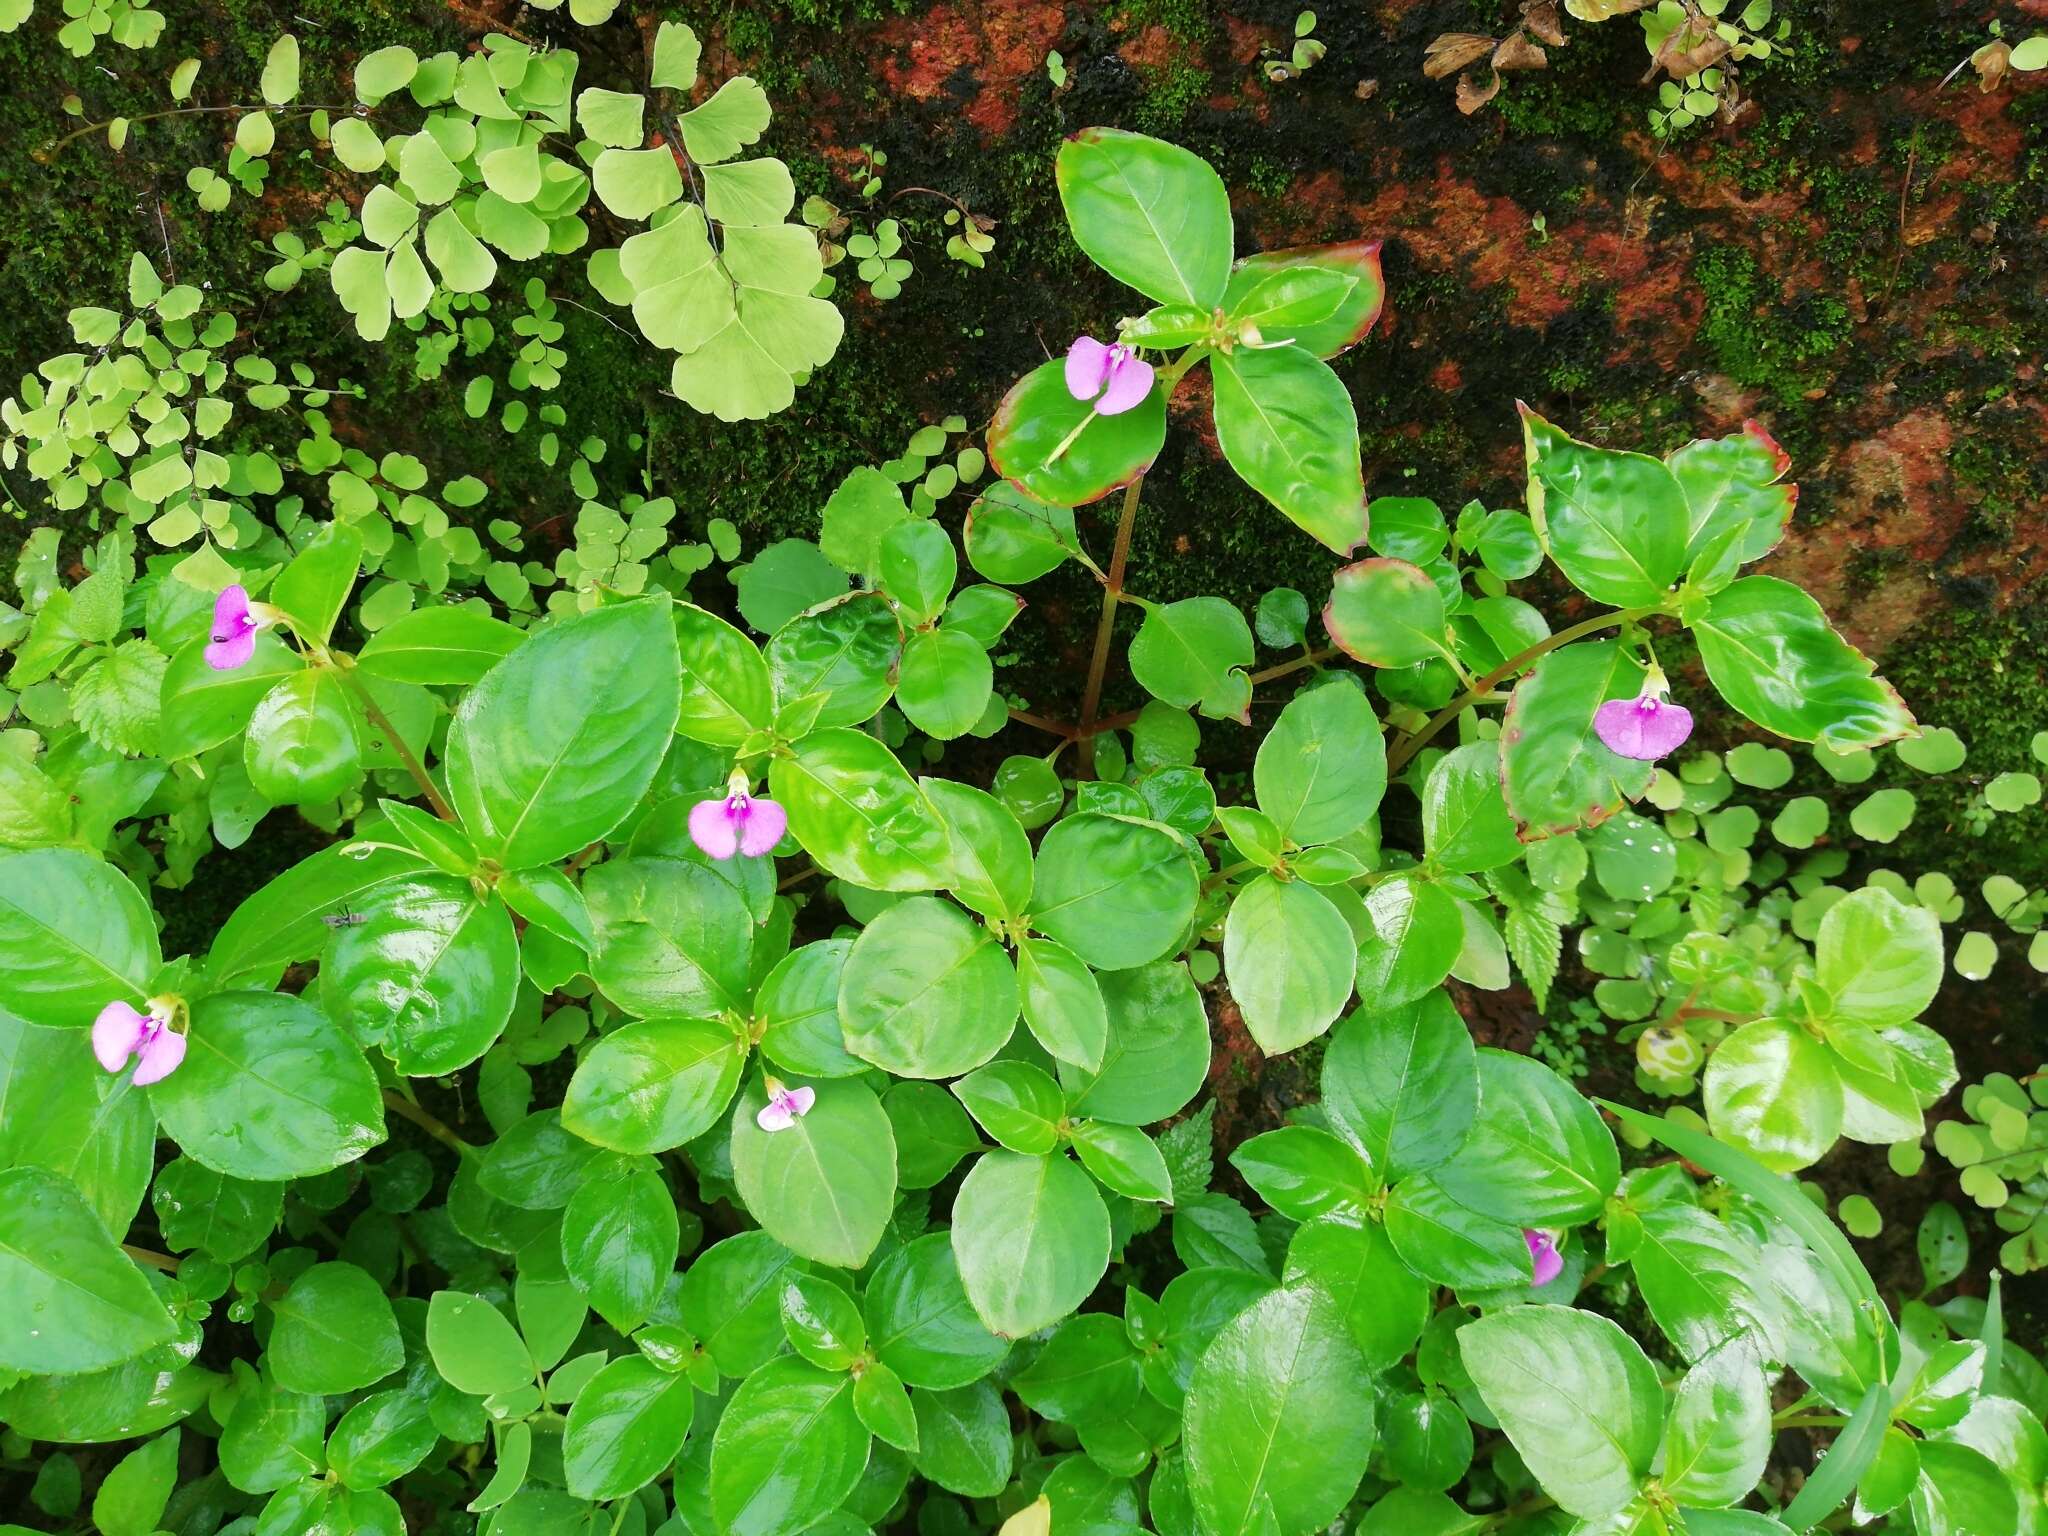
1113 377
1543 1254
785 1106
121 1032
235 623
1646 727
737 823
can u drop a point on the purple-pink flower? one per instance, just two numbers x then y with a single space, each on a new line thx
1648 726
1112 378
737 823
785 1106
235 623
122 1032
1543 1254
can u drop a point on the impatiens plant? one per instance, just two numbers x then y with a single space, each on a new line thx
654 1096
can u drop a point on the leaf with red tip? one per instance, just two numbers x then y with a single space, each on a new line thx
1386 613
1733 482
1039 413
1342 328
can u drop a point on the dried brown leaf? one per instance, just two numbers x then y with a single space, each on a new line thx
1539 17
1517 52
1451 52
1472 96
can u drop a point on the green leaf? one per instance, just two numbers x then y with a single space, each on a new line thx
736 115
1557 773
381 1438
650 1086
991 855
1465 824
1733 483
1286 424
1386 613
1343 327
1018 1104
1124 1160
1384 1304
823 1323
625 1427
727 695
1158 1052
334 1332
70 1299
1772 1089
1279 1419
673 937
1106 454
944 683
475 1348
1878 959
636 183
270 1088
540 764
857 812
1961 1492
1615 523
1290 957
302 746
1403 1084
1193 653
1577 1397
1062 1003
1703 1283
619 1241
1322 769
676 52
1149 213
964 1440
926 992
1303 1172
1539 1155
131 1499
59 1111
1417 934
1118 893
435 646
314 588
789 1449
1012 538
920 1322
847 650
825 1186
1447 1241
75 935
429 974
281 922
1770 651
1032 1239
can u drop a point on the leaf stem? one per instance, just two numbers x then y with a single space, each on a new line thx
55 147
1098 664
152 1258
408 1110
1405 750
413 765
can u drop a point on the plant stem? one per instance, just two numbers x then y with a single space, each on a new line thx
51 150
1405 751
426 1122
1098 664
413 765
152 1258
1309 659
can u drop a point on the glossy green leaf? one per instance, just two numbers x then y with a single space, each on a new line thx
1770 651
1280 1419
1322 769
70 1299
625 1427
1286 424
75 935
541 764
334 1332
789 1449
727 694
858 813
1557 773
1149 213
1032 1240
927 992
1106 454
1291 958
1614 522
824 1186
920 1322
1347 324
1386 613
1772 1089
653 1085
270 1088
1117 893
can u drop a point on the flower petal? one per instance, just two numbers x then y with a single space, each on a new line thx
234 651
160 1058
1130 381
712 830
801 1099
117 1034
1543 1255
1087 367
762 828
775 1115
231 612
1644 729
